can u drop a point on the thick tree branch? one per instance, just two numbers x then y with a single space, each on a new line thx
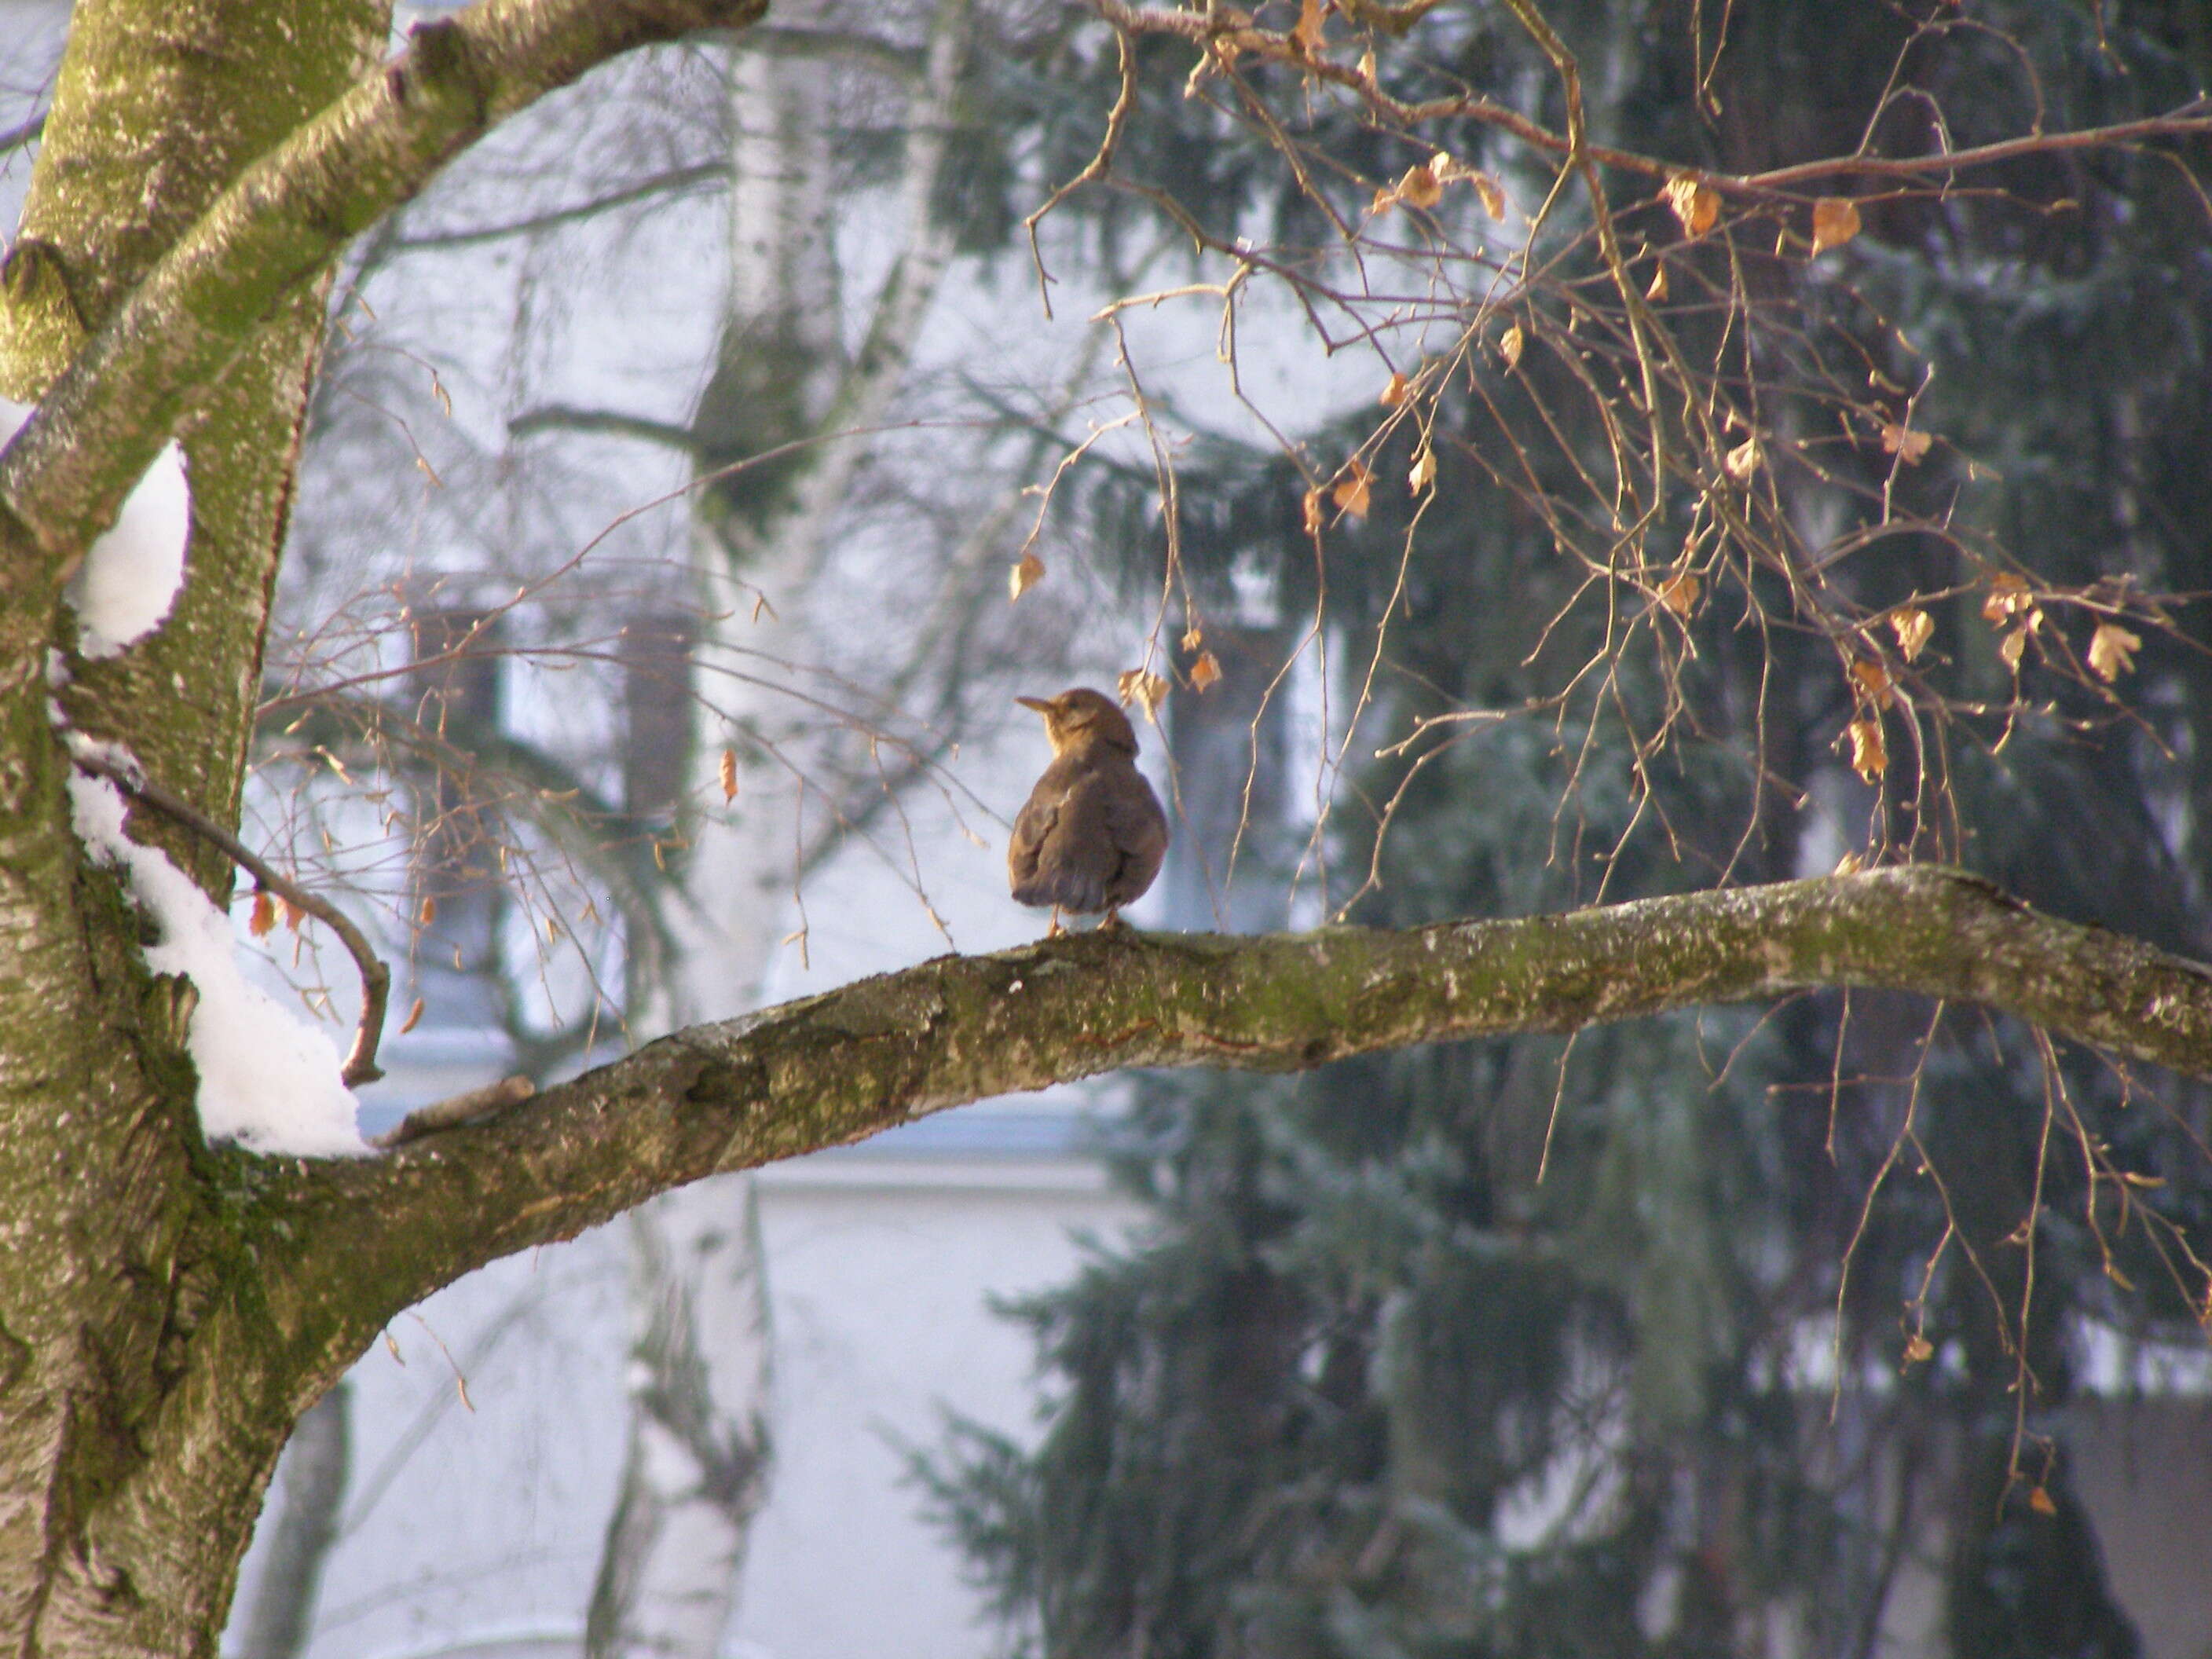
282 223
883 1051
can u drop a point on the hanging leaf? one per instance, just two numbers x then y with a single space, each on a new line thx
1678 592
263 922
729 774
1023 576
1835 222
1137 685
1394 392
1205 672
2113 650
1696 206
1872 682
1424 472
1352 490
1870 751
1508 346
1905 444
1912 626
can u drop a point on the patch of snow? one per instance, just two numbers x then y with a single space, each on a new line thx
129 580
268 1080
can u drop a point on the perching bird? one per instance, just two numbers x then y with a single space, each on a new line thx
1092 835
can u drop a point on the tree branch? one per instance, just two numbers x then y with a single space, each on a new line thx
274 230
883 1051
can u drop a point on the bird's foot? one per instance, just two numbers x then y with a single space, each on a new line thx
1055 931
1111 921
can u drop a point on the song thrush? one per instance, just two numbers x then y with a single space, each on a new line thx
1092 835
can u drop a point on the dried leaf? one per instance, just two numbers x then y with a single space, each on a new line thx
1508 346
1419 188
1192 639
1869 752
1912 626
1493 198
1394 392
427 915
1835 222
729 774
294 917
263 919
414 1017
552 930
1308 33
1025 576
1205 672
1872 682
1741 462
1352 490
1424 472
1313 514
1658 290
2008 597
1919 1350
1138 686
2040 1501
2013 647
1850 865
1696 206
1905 443
2113 650
1678 592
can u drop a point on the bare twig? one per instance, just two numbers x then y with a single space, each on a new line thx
360 1065
457 1109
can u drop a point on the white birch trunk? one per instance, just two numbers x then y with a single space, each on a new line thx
697 1466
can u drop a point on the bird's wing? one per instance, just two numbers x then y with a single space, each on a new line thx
1033 826
1138 831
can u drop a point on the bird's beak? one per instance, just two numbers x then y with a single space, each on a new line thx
1037 704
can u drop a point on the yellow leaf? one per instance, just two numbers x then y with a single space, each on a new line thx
1025 576
1352 490
1835 222
1869 753
1918 1349
2008 597
1424 473
1205 672
1394 392
1419 188
1678 592
1136 685
1493 198
263 919
2040 1501
1308 33
1912 626
1192 639
1741 462
2013 648
2113 650
729 772
429 913
1696 206
1657 291
1905 443
1872 682
1508 346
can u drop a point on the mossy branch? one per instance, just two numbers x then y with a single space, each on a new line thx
883 1051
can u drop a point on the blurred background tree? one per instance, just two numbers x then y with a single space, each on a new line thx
1720 1334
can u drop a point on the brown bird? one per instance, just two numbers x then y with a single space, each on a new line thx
1092 835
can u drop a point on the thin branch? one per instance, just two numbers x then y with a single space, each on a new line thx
665 184
24 132
360 1065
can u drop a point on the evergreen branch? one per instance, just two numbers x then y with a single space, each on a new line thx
275 230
